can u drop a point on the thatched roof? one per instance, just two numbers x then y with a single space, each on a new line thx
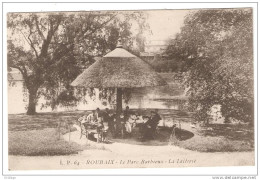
121 69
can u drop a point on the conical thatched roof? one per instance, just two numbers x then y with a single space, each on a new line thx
121 69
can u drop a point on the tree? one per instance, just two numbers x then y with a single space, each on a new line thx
35 63
51 49
216 49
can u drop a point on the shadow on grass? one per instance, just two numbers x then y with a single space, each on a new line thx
162 137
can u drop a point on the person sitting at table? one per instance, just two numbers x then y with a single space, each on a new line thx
100 128
82 119
149 127
139 120
142 125
112 123
91 119
155 118
86 118
130 123
120 124
105 130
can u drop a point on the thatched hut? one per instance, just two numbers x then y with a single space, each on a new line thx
119 69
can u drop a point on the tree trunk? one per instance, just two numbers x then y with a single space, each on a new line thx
32 102
119 100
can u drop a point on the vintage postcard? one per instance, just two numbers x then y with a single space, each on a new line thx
107 89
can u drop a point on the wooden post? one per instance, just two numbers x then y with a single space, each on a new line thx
179 123
119 94
59 128
69 133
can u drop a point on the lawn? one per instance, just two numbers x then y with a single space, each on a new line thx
220 138
214 144
37 135
22 122
45 142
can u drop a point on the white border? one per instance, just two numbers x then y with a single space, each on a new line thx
38 7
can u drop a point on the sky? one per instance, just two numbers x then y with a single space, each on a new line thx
165 23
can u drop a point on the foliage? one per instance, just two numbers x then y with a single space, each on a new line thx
52 49
215 47
163 65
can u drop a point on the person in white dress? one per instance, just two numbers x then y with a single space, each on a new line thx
130 123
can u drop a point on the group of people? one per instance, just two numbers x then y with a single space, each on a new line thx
121 124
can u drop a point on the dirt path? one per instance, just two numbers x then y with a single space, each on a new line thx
129 156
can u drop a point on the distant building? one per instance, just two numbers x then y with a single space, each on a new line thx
14 75
154 49
155 46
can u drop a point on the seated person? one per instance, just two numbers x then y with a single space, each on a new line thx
91 120
104 131
130 123
111 122
155 118
105 125
120 124
90 117
82 119
142 125
87 119
100 129
139 119
149 127
132 119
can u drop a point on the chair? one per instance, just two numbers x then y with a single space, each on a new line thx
83 130
101 136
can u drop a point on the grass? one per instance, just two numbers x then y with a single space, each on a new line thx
220 138
230 131
37 135
43 142
22 122
214 144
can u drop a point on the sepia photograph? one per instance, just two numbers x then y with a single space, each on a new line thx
110 89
